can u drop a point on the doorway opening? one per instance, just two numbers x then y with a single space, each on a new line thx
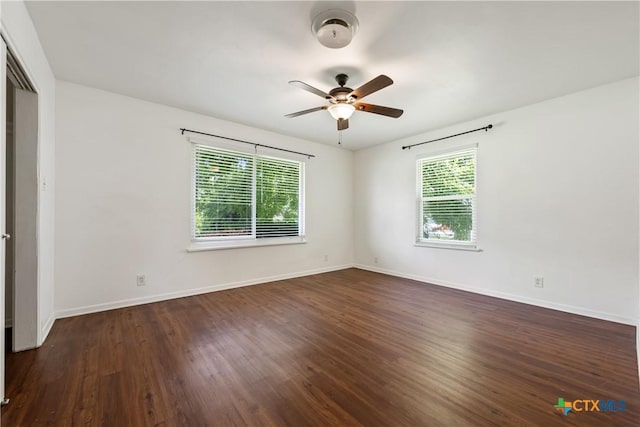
9 220
19 197
21 201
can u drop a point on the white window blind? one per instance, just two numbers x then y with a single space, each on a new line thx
245 196
277 197
447 198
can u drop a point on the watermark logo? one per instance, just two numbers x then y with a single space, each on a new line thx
590 405
563 406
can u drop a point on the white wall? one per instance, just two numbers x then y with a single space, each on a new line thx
17 29
557 195
123 205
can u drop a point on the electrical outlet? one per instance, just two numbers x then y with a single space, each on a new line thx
538 282
326 257
141 280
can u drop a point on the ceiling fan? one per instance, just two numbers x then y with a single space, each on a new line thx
343 101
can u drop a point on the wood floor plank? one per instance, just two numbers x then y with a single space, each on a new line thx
347 348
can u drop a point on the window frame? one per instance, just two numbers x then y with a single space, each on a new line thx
229 242
446 244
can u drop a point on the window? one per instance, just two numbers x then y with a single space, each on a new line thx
241 196
447 199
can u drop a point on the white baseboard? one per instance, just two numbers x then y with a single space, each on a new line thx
189 292
47 328
482 291
511 297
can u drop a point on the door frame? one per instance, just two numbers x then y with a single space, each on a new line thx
3 142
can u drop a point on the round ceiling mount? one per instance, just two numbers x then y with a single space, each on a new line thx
334 28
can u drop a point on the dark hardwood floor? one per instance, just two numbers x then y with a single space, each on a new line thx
344 348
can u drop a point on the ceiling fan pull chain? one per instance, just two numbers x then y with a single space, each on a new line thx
339 137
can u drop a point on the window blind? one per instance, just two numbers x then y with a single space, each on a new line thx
245 196
447 197
277 197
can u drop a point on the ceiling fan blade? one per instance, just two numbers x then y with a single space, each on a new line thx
343 124
378 109
371 86
310 110
308 88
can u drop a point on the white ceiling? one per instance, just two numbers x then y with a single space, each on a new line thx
451 61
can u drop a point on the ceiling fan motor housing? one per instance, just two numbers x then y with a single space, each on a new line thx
341 94
334 28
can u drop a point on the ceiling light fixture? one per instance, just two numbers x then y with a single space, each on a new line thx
334 28
341 110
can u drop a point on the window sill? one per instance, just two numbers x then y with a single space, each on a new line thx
458 247
242 243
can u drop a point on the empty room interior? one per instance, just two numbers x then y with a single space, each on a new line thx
320 213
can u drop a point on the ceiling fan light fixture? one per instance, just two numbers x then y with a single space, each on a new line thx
341 111
334 28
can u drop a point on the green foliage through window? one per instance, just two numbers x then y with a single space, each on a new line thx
277 197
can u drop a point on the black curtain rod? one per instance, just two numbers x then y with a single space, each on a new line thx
255 144
486 128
